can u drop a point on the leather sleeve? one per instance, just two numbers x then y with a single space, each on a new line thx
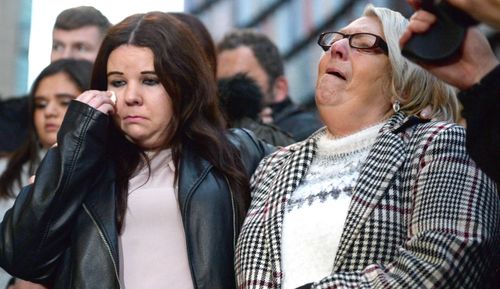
36 230
252 150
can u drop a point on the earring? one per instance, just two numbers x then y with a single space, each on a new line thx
396 106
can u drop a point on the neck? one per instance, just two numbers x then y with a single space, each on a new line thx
343 123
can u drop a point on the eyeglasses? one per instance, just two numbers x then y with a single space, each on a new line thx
364 41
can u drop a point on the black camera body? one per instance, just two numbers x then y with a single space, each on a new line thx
443 40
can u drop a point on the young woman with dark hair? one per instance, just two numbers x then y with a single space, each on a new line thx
146 188
51 93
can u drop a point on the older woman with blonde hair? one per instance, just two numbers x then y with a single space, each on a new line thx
378 198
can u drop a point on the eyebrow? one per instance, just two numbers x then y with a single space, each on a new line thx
64 95
58 95
81 43
121 73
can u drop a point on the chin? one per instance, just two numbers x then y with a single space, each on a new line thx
326 98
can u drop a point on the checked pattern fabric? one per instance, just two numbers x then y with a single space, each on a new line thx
422 214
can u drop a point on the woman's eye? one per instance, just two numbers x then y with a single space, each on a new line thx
40 104
65 101
116 83
151 81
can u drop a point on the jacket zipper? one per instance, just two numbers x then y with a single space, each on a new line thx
235 237
235 234
108 247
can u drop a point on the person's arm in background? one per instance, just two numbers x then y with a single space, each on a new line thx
487 11
476 59
476 72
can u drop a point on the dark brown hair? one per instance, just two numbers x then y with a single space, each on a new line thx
79 72
202 36
185 73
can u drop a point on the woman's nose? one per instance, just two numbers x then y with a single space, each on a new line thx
51 109
340 49
132 96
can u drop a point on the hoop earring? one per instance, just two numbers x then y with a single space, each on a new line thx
396 106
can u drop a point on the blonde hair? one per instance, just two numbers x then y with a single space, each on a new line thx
413 86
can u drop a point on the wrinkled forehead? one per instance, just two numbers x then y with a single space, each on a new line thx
370 24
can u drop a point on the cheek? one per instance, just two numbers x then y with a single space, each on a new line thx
38 118
375 75
322 64
324 87
63 109
116 119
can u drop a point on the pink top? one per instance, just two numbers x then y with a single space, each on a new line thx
153 244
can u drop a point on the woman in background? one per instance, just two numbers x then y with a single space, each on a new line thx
51 93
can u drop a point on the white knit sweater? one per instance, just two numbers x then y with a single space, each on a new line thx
316 211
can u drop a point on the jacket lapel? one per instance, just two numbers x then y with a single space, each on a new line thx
287 179
383 161
101 205
192 170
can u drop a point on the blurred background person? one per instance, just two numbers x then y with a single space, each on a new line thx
239 95
241 101
77 33
377 198
59 83
254 54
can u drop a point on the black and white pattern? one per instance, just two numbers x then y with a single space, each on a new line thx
422 214
316 211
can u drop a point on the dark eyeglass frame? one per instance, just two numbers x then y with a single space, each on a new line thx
379 42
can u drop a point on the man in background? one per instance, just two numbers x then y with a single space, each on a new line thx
78 33
254 54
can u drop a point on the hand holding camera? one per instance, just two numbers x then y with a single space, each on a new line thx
461 59
443 40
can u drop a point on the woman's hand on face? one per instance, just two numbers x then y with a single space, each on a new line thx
100 100
476 58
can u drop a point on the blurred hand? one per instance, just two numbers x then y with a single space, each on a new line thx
475 61
426 113
21 284
100 100
266 115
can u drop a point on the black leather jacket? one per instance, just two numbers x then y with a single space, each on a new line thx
62 230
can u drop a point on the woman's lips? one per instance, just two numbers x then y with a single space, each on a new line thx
133 118
51 127
336 73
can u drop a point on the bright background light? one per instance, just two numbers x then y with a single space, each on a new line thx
44 13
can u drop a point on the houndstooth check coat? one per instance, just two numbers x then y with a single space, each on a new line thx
422 214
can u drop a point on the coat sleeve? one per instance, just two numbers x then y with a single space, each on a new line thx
453 231
252 149
481 110
36 230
